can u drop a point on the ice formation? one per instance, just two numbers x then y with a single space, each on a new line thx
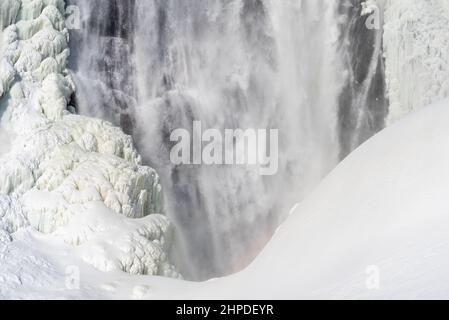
416 43
77 179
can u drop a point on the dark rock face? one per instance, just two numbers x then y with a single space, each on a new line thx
363 102
113 18
109 25
101 57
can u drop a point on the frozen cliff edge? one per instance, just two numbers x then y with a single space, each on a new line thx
416 43
78 180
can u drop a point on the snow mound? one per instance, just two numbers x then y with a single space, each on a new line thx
75 178
376 228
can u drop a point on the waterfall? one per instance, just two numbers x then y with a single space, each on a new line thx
363 102
102 60
153 66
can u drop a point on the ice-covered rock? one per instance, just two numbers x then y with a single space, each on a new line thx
76 178
416 42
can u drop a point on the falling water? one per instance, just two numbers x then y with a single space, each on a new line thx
157 65
363 102
101 59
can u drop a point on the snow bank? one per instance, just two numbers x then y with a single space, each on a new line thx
383 212
77 179
416 42
377 227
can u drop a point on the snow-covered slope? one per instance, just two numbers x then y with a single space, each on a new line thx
77 179
416 42
377 227
386 207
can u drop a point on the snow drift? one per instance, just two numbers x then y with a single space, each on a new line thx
383 209
385 206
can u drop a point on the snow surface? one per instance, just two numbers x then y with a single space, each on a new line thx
77 180
383 209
